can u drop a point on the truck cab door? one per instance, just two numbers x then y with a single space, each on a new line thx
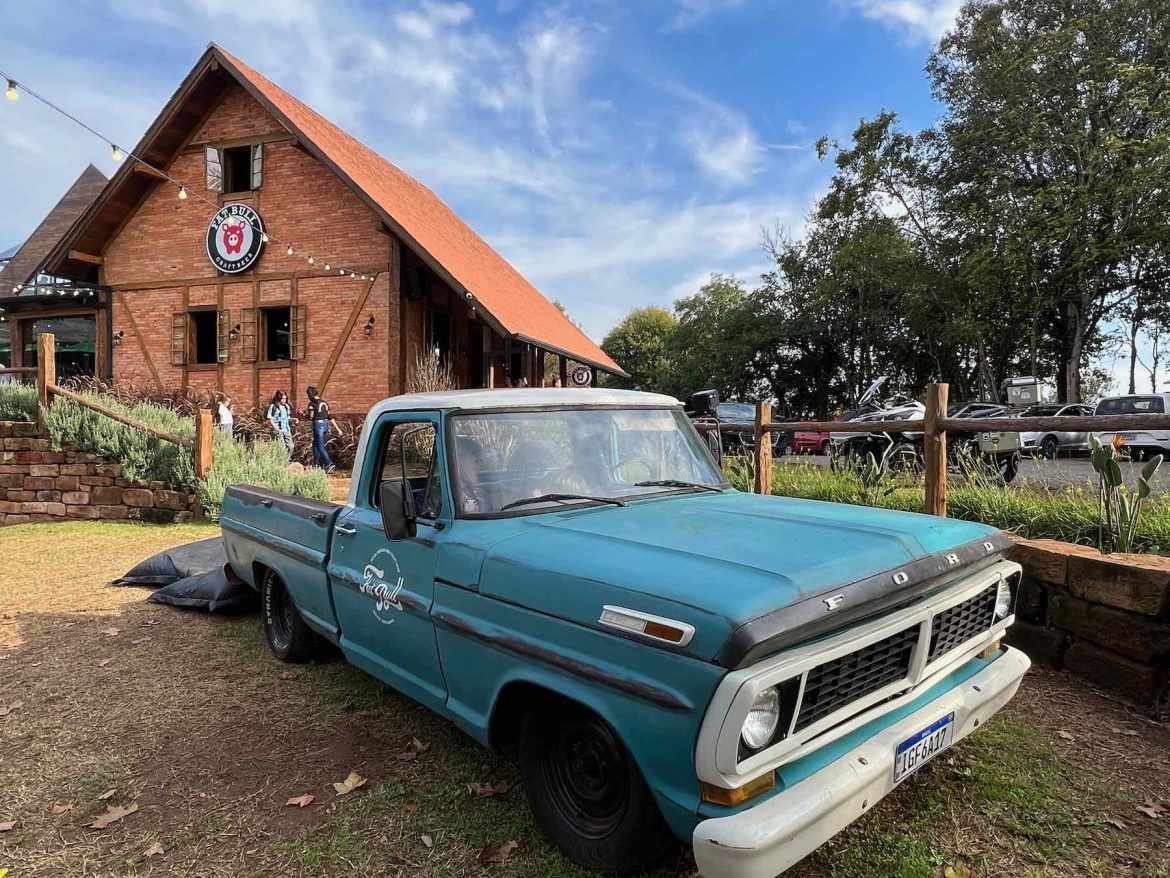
383 589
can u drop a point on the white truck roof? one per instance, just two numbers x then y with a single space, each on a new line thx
519 397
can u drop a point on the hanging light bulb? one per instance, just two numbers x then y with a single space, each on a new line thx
363 277
115 152
327 266
341 271
182 193
311 261
352 274
10 92
264 237
288 250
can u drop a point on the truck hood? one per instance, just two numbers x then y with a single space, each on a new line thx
722 561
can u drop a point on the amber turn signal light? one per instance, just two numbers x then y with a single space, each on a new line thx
991 649
720 796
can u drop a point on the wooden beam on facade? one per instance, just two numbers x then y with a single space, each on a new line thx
149 171
141 342
344 337
85 257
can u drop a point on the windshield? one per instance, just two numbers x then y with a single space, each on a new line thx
735 412
505 457
1130 405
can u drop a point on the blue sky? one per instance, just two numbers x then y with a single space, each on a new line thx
615 152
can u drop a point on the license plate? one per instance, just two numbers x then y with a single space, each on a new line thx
920 748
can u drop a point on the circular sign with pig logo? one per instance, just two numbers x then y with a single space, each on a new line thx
235 238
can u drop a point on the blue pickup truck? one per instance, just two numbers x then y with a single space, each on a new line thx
567 573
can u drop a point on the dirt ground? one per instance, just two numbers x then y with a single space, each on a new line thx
185 725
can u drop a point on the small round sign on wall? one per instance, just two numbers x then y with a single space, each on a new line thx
235 238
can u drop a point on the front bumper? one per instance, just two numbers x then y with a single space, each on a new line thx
763 841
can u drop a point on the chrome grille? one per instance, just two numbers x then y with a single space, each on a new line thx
837 683
955 626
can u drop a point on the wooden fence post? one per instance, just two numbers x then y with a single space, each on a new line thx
763 483
203 443
46 376
934 446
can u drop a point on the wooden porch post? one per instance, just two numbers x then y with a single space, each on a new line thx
204 439
46 376
934 445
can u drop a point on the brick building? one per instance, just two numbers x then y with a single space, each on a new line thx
182 295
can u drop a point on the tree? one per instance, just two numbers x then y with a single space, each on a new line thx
642 345
710 350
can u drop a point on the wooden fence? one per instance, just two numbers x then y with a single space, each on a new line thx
47 388
934 426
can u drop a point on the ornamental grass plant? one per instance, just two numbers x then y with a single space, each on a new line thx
18 402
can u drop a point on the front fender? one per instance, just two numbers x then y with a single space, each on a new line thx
654 699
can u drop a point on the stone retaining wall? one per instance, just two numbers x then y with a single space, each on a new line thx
1103 617
40 484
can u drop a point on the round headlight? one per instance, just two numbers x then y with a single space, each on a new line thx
762 718
1003 599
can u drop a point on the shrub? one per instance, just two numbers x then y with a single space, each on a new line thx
1070 514
143 456
264 464
18 402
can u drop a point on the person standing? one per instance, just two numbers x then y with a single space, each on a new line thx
322 423
223 413
280 419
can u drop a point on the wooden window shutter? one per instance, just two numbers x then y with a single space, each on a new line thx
179 323
223 328
248 346
296 344
213 159
257 165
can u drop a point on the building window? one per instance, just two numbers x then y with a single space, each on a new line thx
440 335
237 166
203 345
234 169
276 332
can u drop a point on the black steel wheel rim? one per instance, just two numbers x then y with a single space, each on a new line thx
280 615
587 775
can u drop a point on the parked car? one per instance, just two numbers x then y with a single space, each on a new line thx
1138 442
742 414
807 442
566 572
1051 443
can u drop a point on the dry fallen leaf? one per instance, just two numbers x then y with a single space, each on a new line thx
411 753
113 814
154 850
150 622
427 840
350 784
60 807
104 662
485 790
411 805
140 640
1120 824
493 854
107 794
110 632
16 705
301 801
1154 809
1066 735
289 675
7 825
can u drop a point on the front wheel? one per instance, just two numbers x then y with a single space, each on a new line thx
1050 448
587 794
290 639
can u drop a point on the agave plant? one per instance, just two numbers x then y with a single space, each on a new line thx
1119 506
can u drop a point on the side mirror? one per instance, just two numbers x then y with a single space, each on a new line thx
703 403
398 516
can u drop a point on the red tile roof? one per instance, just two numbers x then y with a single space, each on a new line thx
424 220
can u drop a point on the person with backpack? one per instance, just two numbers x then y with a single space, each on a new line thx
280 419
322 422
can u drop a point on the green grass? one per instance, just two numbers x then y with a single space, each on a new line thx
1068 514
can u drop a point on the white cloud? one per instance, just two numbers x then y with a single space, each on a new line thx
917 20
720 140
692 12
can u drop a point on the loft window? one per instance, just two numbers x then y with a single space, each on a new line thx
204 345
276 332
237 169
441 335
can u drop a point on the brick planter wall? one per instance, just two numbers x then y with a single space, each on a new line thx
39 484
1103 617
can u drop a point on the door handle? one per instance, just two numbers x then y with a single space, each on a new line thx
344 529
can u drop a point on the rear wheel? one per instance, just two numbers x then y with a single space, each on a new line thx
1050 447
586 792
290 639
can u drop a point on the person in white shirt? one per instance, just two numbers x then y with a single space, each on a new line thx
223 413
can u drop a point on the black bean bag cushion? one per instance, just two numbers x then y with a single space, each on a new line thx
177 563
196 575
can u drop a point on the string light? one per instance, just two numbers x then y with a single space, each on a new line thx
12 93
311 259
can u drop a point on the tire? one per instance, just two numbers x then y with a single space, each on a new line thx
1050 448
290 639
1009 466
587 794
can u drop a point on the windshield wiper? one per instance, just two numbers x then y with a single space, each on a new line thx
676 483
559 498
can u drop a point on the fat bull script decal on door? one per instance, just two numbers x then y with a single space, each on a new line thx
385 593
